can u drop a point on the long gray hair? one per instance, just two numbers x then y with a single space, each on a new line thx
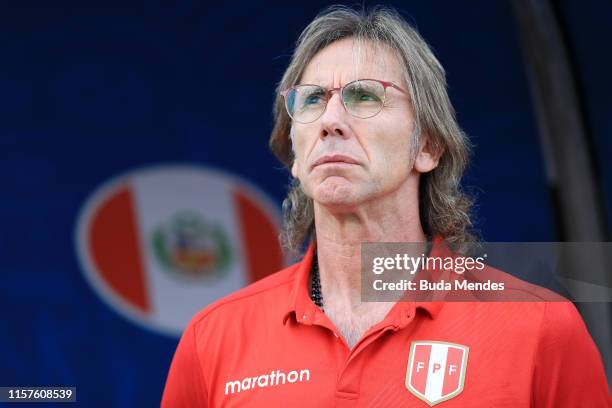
444 207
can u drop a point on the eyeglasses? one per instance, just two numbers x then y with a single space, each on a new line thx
362 98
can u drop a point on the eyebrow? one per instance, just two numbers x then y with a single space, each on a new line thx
323 84
317 81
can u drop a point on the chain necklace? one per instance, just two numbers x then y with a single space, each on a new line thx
316 294
315 285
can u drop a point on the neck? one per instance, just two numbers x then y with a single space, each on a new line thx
339 238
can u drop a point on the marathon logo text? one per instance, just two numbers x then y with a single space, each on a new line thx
266 380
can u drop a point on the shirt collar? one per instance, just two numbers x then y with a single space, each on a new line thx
300 304
303 308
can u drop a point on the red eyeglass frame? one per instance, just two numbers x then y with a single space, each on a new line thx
328 93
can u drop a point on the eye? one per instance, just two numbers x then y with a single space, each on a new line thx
361 94
364 96
312 99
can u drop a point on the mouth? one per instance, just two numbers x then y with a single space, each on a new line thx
335 159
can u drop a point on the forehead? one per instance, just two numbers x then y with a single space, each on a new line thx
348 59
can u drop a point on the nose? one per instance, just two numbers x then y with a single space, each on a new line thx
333 120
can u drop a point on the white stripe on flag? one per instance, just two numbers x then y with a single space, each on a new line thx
435 379
159 196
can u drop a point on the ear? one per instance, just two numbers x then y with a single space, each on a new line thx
427 157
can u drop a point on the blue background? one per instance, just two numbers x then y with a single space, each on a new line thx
90 92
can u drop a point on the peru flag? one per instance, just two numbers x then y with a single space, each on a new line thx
161 243
436 370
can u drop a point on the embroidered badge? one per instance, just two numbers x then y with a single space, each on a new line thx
436 370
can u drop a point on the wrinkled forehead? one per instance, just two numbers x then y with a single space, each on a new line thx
348 59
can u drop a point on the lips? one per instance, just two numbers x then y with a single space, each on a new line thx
336 158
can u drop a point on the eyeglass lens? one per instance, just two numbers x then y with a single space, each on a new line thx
362 99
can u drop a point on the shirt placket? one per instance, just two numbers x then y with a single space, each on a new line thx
351 362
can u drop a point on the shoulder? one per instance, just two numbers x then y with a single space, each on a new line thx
516 289
568 369
270 292
562 326
564 340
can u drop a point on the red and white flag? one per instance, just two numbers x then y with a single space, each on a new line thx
163 242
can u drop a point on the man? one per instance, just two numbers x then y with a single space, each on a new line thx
364 123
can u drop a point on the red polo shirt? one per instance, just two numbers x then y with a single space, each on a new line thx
270 345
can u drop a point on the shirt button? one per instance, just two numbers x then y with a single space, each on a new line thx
304 316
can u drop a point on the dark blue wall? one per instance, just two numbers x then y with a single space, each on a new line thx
87 93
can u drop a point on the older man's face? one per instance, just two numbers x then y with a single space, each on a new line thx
363 159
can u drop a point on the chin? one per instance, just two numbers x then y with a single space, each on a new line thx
340 194
339 199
